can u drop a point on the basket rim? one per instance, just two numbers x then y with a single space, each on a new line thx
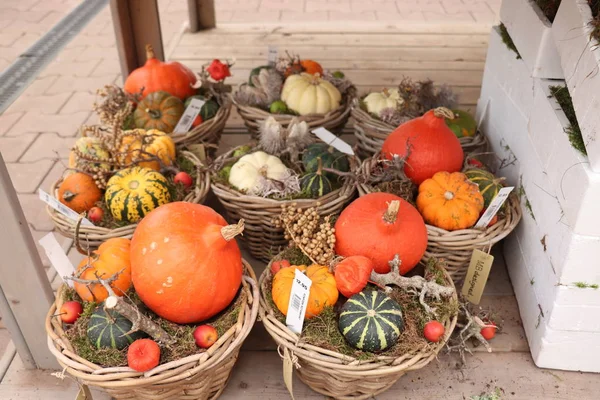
67 225
211 126
184 368
380 365
221 190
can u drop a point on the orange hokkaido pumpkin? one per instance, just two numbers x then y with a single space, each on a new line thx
185 265
323 291
352 275
79 192
379 226
110 258
428 145
171 77
311 67
450 201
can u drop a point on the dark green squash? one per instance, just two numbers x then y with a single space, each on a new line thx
108 330
331 158
488 184
371 321
316 184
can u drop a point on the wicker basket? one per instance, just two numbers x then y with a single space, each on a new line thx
93 236
334 120
456 247
208 132
339 376
371 132
199 376
260 235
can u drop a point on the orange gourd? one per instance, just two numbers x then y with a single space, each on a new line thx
450 201
79 192
352 275
185 266
379 226
311 67
110 258
172 77
428 145
323 291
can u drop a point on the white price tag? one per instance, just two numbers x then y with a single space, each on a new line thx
61 208
57 257
333 140
272 55
298 302
189 115
494 207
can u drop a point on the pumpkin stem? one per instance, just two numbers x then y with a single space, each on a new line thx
448 195
443 112
319 166
155 114
230 231
150 52
392 212
68 195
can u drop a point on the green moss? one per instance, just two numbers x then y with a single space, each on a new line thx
583 285
508 40
562 96
496 394
549 8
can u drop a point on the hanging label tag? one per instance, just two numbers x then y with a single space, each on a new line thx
288 371
198 150
272 55
493 208
189 115
57 257
298 302
61 208
477 275
333 140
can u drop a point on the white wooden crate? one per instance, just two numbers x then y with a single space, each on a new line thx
530 30
580 60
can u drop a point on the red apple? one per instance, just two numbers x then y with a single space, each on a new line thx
70 312
278 265
143 355
489 332
184 178
197 121
95 214
205 336
433 331
475 162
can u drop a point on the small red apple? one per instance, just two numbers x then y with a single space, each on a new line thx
143 355
475 162
197 121
488 333
276 266
95 214
184 178
70 312
433 331
205 336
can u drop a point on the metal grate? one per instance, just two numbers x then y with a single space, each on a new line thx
15 79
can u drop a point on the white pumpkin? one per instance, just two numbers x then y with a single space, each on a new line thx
377 101
309 94
245 173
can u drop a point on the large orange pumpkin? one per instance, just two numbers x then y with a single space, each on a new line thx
323 291
155 75
110 258
185 266
450 201
352 275
428 145
379 226
79 192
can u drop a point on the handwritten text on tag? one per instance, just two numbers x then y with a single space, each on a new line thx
333 140
494 207
189 115
298 302
61 208
477 275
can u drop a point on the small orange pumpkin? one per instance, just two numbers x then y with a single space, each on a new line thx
449 201
110 258
352 275
323 291
79 192
311 67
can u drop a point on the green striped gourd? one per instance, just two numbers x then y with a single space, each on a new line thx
133 192
316 184
371 321
488 184
111 329
330 157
